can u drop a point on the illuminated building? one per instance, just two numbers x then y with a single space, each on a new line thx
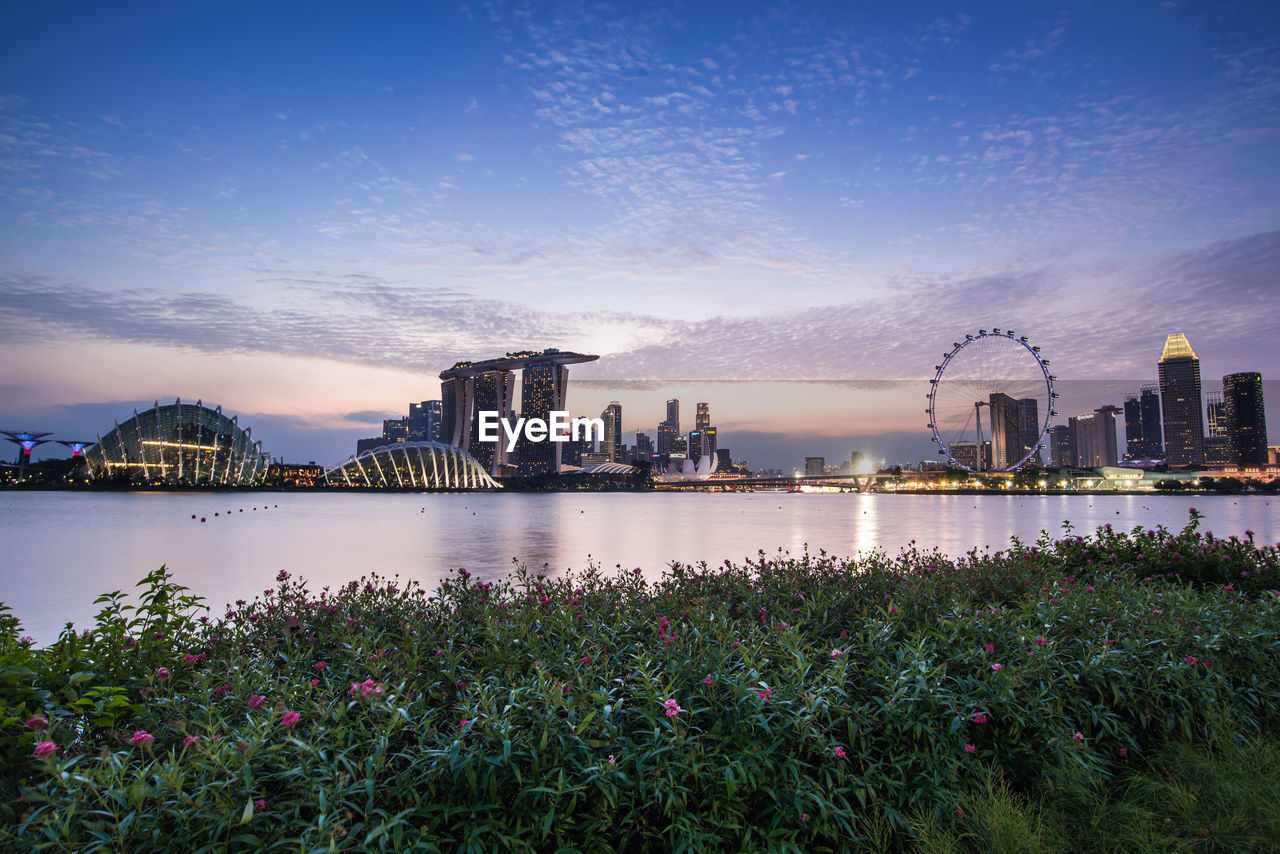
667 434
966 454
412 465
295 474
1217 447
703 419
815 466
1142 425
1029 429
1180 402
1246 418
179 443
694 443
1006 431
395 430
424 421
673 413
1062 448
470 387
539 382
612 417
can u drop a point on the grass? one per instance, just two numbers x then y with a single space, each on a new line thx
1116 691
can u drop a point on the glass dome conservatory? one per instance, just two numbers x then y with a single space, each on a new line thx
178 443
412 465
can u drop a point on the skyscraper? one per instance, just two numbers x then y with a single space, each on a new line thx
667 434
1246 418
424 421
1062 447
1029 429
1142 425
612 416
539 381
492 392
1217 450
704 418
673 413
1006 432
1180 401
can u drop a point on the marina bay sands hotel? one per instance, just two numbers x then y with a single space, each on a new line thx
471 387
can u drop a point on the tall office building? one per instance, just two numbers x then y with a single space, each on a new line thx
673 413
1217 450
538 384
1094 438
492 392
1142 425
1246 418
644 446
667 434
695 446
1062 447
1006 433
424 421
394 430
1180 402
1029 429
709 441
703 419
612 416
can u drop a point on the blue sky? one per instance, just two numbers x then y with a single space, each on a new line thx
305 212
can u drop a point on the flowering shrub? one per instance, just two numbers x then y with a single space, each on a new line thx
535 713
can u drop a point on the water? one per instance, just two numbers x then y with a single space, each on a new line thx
63 549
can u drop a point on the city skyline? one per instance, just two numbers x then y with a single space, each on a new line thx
709 198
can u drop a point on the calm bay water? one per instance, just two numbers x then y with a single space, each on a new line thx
63 549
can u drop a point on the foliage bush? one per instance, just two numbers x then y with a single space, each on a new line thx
786 703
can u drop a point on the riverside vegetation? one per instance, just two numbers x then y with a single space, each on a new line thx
1115 691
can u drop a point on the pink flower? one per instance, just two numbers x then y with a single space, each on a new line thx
839 751
289 718
988 648
315 681
1078 736
1088 590
1124 751
142 737
256 700
190 740
1190 659
672 707
360 690
37 721
765 693
1157 612
321 665
997 667
162 673
969 748
835 653
1040 641
612 761
45 748
804 816
464 723
706 681
260 804
979 718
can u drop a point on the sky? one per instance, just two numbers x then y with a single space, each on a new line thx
304 212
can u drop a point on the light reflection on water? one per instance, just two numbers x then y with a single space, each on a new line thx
63 549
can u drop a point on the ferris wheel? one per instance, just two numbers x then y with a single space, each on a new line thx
1004 375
